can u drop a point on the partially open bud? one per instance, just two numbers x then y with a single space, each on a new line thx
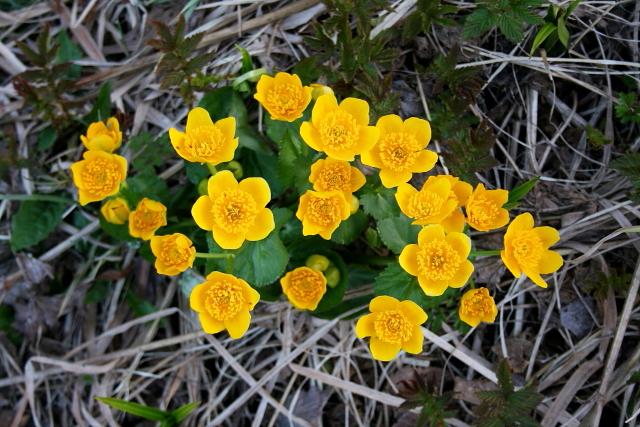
319 90
332 275
355 204
318 262
202 187
115 211
236 168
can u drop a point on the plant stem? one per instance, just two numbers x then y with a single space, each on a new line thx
485 253
203 255
38 197
212 169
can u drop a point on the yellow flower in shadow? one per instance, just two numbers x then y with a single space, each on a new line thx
460 192
331 174
115 211
103 137
476 306
98 176
526 249
484 209
283 96
147 218
322 211
400 151
224 302
174 253
341 131
438 260
393 326
304 287
234 211
203 141
431 205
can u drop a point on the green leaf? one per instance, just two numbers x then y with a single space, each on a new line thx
350 229
97 292
563 33
102 108
133 408
542 35
196 172
68 52
182 412
379 202
118 231
504 376
46 138
398 232
247 63
595 138
33 222
257 164
218 102
145 185
519 192
289 157
573 5
395 282
261 263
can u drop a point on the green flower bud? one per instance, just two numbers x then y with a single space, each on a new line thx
202 187
318 262
332 274
355 204
236 168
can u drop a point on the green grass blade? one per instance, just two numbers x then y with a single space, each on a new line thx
146 412
519 192
182 412
542 35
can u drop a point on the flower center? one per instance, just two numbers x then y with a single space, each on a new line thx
224 300
204 141
307 286
335 177
285 99
478 305
438 260
100 176
172 254
324 211
393 327
424 204
482 211
235 211
399 151
146 219
339 130
527 248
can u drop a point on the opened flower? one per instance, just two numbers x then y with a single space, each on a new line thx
103 137
330 174
147 218
304 287
526 249
322 211
98 176
203 141
477 306
392 325
234 211
341 131
224 302
400 151
174 253
431 205
484 209
283 97
460 192
438 260
115 211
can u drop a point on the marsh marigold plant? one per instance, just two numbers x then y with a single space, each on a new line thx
393 326
304 287
476 305
322 211
98 176
147 218
174 253
234 212
431 205
204 141
103 136
283 96
484 209
526 249
115 211
331 174
224 302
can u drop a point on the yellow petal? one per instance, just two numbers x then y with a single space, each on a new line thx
499 197
358 108
460 242
176 137
228 127
152 205
462 190
403 196
462 275
383 303
265 84
285 282
324 105
357 179
511 263
389 124
209 324
468 319
409 259
258 188
383 351
413 311
490 317
419 128
425 162
369 136
348 155
198 297
198 117
433 288
262 226
221 182
439 186
392 178
549 262
316 168
430 233
372 158
522 222
365 326
202 212
286 78
95 128
311 136
535 277
227 240
328 230
251 295
454 222
310 228
156 245
501 220
414 344
238 325
548 236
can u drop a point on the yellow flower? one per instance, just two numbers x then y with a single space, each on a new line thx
460 192
319 90
304 287
477 306
234 211
400 150
430 205
204 141
341 131
439 260
392 325
484 209
174 253
147 218
115 211
283 97
322 211
526 249
224 302
330 174
98 176
103 137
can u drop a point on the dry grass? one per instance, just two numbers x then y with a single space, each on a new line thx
539 107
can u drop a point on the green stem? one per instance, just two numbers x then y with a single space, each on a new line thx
38 197
203 255
472 284
485 253
212 169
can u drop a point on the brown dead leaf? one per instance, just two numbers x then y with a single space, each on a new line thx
115 274
308 407
467 389
34 270
519 349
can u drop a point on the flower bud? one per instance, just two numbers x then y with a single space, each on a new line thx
318 262
115 211
203 187
333 276
236 168
355 204
319 90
